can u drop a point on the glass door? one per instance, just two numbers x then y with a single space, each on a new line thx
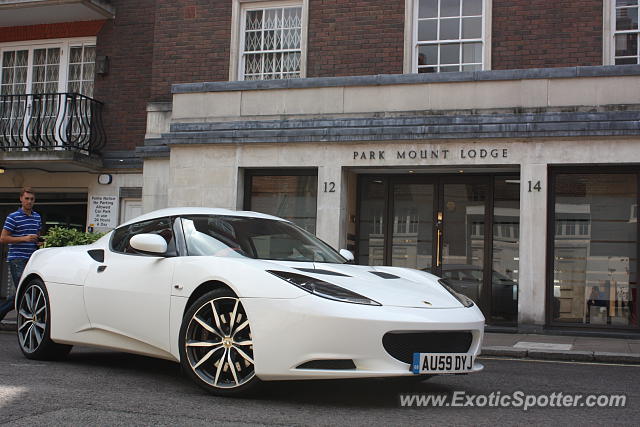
412 227
460 233
439 224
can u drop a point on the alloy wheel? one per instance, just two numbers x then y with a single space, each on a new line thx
218 343
32 318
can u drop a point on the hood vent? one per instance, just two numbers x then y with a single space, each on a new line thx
384 275
318 271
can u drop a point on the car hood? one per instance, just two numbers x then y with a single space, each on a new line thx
394 286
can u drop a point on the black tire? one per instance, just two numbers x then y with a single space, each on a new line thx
216 349
34 324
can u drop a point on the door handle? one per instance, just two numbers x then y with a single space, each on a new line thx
101 268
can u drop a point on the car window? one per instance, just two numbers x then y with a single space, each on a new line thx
261 238
161 227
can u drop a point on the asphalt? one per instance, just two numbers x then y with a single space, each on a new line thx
530 346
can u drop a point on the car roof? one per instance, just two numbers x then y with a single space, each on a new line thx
181 211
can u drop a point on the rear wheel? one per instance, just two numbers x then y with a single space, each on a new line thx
216 348
34 324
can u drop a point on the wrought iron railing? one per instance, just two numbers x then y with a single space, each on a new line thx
51 121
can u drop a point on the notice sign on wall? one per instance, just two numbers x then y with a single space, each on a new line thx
104 211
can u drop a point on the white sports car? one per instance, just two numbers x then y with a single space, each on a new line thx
240 297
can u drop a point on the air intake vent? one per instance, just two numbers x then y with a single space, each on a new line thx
319 271
97 254
384 275
331 364
402 345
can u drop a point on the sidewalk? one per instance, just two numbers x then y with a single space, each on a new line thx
9 322
562 347
545 347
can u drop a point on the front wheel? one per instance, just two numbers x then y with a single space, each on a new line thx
216 348
34 324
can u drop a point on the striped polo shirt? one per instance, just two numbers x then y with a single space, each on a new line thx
20 224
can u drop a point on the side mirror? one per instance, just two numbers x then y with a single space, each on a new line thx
150 244
346 254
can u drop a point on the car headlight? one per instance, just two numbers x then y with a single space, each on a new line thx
323 289
463 299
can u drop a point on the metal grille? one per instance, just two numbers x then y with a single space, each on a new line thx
402 345
47 121
272 43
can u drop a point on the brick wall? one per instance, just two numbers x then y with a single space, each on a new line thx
546 33
359 37
192 39
128 42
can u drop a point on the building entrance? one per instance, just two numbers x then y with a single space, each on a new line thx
451 226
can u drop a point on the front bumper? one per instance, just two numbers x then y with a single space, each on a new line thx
289 332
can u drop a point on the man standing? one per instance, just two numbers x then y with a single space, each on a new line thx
21 231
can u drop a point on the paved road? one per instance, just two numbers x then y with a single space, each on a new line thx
96 387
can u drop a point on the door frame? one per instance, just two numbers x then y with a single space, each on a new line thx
439 180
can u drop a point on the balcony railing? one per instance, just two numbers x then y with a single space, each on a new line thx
51 121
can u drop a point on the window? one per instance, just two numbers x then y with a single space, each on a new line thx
162 227
62 66
271 40
287 194
594 252
259 238
449 35
626 32
82 61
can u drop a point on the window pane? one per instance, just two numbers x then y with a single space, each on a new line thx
8 59
39 56
627 18
276 48
475 67
22 58
506 246
471 7
290 197
595 250
449 29
412 230
254 20
161 227
428 55
291 62
450 53
471 52
626 61
372 222
626 44
88 72
428 30
428 9
472 28
626 2
75 55
449 7
89 54
449 69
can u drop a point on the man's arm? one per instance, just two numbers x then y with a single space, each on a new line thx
6 237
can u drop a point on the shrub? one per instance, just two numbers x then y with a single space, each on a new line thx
62 236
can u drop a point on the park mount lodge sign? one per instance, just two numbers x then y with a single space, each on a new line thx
433 153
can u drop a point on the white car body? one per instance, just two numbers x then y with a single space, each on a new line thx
137 304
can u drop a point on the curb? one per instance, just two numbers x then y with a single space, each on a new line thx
8 326
572 355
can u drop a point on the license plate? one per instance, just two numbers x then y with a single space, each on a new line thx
441 363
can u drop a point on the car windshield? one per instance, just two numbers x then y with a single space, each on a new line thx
259 238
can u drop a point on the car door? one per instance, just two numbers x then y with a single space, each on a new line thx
128 295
